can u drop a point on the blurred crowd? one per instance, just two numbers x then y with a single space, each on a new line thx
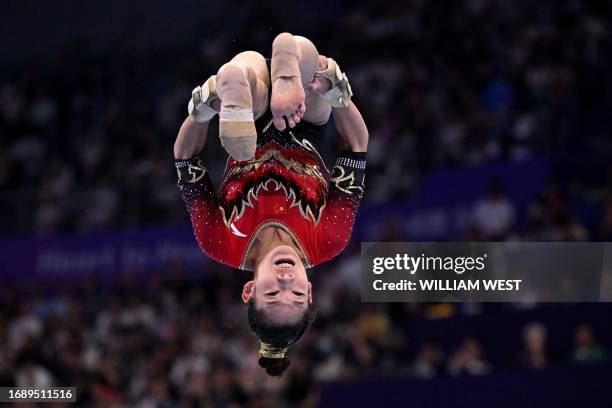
86 144
173 341
86 136
571 212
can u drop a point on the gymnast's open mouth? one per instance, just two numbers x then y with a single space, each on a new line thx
284 263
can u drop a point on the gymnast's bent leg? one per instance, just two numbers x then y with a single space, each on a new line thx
240 93
242 86
294 62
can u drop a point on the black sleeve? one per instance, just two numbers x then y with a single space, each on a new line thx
194 182
348 174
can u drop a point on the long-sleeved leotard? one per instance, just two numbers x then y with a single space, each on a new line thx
285 185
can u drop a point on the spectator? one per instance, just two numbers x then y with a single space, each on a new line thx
153 345
468 359
494 215
87 145
586 348
534 353
33 375
79 154
429 362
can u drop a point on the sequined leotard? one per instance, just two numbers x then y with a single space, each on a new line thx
285 185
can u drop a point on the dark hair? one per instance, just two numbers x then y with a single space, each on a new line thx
277 336
275 367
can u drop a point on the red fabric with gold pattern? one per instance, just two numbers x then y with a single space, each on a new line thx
285 185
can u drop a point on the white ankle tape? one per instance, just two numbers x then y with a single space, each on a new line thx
236 114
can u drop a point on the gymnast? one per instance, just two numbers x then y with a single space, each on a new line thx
278 211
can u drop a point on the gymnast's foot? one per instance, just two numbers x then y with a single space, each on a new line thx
288 98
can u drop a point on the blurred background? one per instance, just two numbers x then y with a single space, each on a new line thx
489 120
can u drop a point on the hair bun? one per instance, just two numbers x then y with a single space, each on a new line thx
274 366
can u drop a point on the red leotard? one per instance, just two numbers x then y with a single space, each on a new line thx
285 185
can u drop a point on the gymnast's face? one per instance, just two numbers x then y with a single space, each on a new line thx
281 287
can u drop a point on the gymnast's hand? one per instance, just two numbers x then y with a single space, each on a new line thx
331 84
319 84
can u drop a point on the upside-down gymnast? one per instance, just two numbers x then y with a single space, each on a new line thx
278 210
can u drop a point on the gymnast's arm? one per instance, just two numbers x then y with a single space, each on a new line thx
351 127
348 176
346 189
348 119
196 189
347 182
194 183
202 107
190 140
